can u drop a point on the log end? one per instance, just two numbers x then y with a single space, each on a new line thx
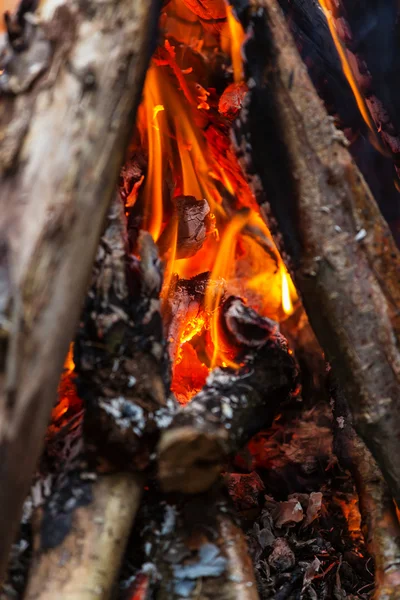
190 460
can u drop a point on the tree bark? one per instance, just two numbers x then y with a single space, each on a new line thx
338 246
70 86
84 566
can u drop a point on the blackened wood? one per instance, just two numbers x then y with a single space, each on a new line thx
120 353
68 104
380 522
342 255
244 326
188 228
230 409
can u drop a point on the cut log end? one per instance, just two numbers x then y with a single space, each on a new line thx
190 460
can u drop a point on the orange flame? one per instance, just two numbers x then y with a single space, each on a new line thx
232 39
329 13
222 268
152 193
180 128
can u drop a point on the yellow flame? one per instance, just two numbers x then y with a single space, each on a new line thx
236 39
287 304
152 193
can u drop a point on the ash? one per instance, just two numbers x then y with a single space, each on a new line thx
300 513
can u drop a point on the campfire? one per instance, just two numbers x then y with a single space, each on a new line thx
193 235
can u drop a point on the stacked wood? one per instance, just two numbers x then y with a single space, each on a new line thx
123 379
335 241
71 79
370 43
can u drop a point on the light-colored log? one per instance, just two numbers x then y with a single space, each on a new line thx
67 108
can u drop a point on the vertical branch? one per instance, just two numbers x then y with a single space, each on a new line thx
339 247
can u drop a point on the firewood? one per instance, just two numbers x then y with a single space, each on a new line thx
124 409
338 247
200 551
380 522
84 565
68 104
232 406
121 358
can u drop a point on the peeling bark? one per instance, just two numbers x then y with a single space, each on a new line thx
68 102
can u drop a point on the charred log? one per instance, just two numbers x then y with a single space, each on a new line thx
231 408
120 353
69 97
342 255
192 222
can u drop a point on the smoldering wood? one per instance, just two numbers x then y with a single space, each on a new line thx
69 100
230 409
380 522
85 564
120 353
244 326
192 223
338 247
200 550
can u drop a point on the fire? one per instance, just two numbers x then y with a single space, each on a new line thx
68 403
232 40
223 265
329 12
186 140
287 303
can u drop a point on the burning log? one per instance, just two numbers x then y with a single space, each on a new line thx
233 406
343 257
85 564
124 407
201 552
193 223
69 90
378 512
